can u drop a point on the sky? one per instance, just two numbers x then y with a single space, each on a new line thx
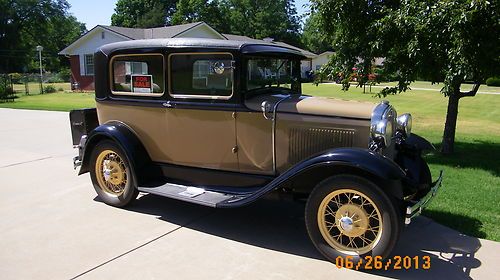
94 12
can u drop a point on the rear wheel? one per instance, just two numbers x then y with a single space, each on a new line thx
350 216
112 175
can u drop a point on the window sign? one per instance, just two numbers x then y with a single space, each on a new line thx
142 83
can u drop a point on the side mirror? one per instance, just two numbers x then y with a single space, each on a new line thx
267 110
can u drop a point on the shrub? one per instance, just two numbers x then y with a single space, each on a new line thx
493 82
7 94
64 74
16 78
54 79
60 89
49 89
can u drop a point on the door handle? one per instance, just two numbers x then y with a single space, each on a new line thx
167 104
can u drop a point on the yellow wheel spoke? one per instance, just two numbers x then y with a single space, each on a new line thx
329 211
355 215
365 240
111 172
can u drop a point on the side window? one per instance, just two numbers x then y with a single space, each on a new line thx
138 75
89 64
201 75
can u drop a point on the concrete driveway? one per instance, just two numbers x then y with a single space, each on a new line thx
52 226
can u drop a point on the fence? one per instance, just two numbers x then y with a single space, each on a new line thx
13 84
7 93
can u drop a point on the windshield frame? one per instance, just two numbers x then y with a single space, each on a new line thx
296 86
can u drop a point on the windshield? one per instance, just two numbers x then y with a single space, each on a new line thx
270 72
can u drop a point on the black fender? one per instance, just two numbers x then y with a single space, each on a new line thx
409 157
420 143
385 171
125 138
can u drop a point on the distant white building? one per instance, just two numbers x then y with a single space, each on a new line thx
320 59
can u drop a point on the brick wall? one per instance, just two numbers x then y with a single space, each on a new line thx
85 82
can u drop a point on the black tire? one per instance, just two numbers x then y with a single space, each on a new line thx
129 192
383 242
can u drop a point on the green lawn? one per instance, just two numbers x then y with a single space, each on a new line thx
470 198
59 101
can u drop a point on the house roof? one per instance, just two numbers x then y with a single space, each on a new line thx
326 53
172 32
154 33
141 33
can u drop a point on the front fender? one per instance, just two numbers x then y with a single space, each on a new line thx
419 143
356 160
123 136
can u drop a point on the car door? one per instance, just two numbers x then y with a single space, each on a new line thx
200 130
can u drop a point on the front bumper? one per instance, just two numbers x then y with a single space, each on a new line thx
416 207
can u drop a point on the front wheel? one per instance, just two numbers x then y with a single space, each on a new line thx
112 174
350 216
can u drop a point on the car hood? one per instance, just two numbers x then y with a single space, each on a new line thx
310 105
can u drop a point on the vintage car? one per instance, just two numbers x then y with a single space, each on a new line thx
224 123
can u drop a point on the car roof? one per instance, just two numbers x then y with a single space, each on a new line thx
247 47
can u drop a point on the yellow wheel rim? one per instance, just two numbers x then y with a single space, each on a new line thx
350 222
111 172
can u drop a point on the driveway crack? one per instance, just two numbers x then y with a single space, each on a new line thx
142 245
28 161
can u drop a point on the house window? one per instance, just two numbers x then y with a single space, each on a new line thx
89 64
102 35
138 75
201 75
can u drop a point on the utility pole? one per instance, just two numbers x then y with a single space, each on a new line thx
40 49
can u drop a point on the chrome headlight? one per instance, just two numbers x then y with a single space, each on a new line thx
404 124
383 124
382 131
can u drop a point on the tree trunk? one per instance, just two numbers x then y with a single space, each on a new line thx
450 126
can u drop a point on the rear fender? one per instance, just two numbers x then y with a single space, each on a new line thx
125 138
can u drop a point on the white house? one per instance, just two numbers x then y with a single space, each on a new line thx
320 59
81 51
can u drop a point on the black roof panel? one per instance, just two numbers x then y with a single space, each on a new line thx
243 46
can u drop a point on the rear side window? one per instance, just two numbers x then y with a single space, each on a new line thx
201 75
138 75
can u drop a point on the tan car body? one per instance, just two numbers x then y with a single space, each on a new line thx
242 141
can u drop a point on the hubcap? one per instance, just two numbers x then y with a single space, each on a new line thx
349 221
111 172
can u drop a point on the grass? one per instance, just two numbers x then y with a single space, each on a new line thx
59 101
470 198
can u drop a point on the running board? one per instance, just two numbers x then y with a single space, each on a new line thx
194 194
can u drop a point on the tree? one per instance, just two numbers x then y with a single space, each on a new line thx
313 38
24 24
260 19
211 12
143 13
441 41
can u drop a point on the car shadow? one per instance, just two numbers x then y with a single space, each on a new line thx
479 154
279 225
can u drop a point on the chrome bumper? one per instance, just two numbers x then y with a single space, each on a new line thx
415 208
77 161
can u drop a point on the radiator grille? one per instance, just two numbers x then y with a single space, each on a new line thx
305 142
